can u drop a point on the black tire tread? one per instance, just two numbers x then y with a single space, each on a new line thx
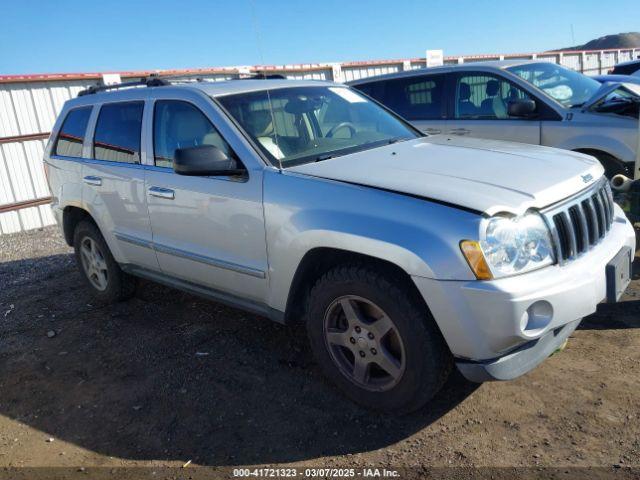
430 380
612 166
122 286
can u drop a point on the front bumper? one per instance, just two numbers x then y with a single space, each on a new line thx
506 327
521 360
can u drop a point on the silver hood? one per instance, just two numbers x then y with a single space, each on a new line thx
606 89
489 176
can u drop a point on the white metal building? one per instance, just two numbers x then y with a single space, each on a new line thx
29 105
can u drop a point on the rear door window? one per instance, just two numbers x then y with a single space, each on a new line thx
117 135
71 136
414 98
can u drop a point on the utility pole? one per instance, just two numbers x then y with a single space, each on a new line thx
573 38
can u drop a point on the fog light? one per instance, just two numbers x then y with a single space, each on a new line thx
537 317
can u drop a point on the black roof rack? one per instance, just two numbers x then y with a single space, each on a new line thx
151 81
260 76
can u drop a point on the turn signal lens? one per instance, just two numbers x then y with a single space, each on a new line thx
475 258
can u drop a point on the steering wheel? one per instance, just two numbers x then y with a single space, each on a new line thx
339 126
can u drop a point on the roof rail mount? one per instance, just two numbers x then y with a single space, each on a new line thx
260 76
150 81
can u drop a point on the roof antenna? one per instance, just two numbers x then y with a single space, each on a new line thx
258 44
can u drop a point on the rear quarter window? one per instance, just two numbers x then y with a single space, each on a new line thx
71 136
414 98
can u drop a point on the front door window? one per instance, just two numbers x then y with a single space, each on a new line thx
179 124
481 96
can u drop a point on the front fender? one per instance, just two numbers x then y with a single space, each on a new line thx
304 213
606 144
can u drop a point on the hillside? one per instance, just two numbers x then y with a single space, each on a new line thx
619 40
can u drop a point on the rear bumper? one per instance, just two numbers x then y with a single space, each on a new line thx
57 214
520 361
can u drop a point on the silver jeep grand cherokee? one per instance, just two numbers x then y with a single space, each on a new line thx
305 201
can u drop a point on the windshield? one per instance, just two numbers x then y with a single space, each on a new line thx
570 88
314 123
620 101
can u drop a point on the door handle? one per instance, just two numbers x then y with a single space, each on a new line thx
459 131
91 180
162 193
433 131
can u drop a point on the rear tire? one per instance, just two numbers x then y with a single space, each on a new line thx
375 340
99 270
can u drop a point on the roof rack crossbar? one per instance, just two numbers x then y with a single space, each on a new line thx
260 76
151 81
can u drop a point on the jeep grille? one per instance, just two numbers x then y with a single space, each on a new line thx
581 222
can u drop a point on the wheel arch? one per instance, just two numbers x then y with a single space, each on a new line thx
317 261
71 217
608 160
598 142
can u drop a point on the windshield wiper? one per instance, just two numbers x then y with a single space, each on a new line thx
343 151
623 100
618 102
397 139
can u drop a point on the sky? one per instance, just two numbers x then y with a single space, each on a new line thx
54 36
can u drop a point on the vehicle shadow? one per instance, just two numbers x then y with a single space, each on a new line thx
621 315
168 376
613 317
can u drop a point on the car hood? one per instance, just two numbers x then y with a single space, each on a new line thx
605 89
625 80
483 175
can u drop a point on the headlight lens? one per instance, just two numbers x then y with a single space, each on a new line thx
513 245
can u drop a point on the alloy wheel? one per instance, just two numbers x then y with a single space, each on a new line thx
364 343
94 264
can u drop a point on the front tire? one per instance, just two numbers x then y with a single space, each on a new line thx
375 340
612 166
97 266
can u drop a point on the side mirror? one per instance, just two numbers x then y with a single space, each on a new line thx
522 107
205 160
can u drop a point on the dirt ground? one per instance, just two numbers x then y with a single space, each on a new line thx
167 377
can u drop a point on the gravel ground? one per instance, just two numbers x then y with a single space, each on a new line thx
167 377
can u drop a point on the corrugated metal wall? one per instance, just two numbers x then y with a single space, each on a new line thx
357 72
29 106
27 113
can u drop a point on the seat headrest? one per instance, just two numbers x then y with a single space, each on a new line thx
465 91
493 87
258 123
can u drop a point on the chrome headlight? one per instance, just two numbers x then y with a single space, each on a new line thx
516 244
